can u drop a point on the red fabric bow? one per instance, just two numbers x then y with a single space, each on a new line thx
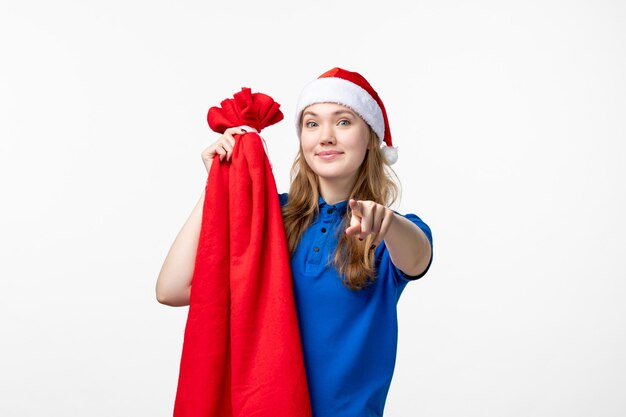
256 110
242 355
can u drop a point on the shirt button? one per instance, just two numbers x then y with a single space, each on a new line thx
316 249
323 230
329 211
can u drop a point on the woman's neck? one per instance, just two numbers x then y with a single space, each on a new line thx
335 191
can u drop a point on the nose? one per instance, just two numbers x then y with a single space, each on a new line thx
327 135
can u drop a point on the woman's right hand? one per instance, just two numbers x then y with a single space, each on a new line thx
222 147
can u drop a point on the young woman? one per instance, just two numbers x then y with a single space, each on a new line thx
351 255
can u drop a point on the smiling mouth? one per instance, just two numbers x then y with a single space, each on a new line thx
329 155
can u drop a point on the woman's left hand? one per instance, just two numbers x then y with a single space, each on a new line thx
368 217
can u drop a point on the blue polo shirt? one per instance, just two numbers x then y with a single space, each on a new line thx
349 338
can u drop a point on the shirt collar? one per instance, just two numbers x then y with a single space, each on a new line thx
340 207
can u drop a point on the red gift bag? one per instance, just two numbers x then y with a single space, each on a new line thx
242 355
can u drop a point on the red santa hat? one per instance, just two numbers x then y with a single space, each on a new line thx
352 90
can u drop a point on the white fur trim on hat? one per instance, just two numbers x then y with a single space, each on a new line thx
340 91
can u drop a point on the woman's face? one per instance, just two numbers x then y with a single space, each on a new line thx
334 141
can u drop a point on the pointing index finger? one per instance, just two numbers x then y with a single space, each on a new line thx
356 208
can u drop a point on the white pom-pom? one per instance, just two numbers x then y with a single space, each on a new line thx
391 154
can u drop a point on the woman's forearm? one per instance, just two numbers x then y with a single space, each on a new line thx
173 285
408 246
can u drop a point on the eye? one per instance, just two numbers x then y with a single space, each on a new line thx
344 122
310 124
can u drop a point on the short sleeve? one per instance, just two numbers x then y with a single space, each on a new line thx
397 273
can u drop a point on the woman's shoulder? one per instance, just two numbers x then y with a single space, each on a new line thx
282 198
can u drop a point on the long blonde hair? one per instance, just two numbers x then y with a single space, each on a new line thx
375 181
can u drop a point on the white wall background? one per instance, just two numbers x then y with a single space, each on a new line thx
509 117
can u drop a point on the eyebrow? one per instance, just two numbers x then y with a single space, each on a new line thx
335 113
